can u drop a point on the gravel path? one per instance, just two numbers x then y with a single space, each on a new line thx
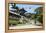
24 26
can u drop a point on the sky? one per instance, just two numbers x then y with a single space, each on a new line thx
28 7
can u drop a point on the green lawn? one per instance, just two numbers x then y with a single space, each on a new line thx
14 22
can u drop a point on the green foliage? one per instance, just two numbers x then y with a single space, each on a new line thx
39 10
14 22
11 21
40 19
39 14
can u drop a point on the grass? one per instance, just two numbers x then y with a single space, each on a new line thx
14 22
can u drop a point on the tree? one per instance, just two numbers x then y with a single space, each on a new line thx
39 14
39 10
13 5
